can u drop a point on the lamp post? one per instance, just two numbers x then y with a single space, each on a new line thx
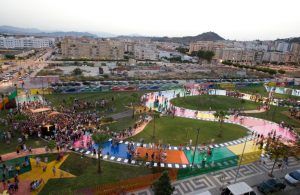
198 130
153 130
240 162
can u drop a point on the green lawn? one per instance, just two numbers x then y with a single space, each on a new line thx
122 123
178 130
295 87
121 99
87 177
260 89
254 90
278 114
6 148
215 102
33 142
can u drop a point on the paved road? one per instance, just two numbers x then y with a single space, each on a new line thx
120 115
252 174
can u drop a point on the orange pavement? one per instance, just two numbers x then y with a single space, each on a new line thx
173 156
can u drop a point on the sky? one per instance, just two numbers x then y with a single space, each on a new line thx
231 19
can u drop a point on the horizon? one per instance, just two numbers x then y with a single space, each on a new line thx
248 21
138 35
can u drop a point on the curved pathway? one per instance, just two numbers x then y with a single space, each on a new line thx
181 156
257 125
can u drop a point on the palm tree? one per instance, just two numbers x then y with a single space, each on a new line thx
99 138
221 116
134 98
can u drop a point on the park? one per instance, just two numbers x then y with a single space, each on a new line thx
188 131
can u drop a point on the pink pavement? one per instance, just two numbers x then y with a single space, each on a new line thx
82 142
265 127
257 125
13 155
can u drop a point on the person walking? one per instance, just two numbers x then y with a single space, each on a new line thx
54 170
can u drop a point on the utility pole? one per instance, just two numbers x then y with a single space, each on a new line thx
240 162
153 130
198 130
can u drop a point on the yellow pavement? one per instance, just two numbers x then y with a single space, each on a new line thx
37 172
203 115
251 154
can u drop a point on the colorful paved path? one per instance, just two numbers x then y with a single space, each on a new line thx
174 159
37 173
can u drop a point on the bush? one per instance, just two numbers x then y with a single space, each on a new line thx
77 71
51 144
9 56
281 71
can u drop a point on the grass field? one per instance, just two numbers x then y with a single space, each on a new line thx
178 130
12 146
122 123
277 114
260 89
215 102
33 142
86 171
121 99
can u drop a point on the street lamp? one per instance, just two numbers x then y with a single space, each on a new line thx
240 162
153 130
198 130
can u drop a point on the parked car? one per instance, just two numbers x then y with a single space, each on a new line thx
271 186
293 177
240 188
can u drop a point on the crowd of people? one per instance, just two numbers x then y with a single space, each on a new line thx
10 173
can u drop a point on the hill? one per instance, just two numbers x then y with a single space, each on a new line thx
207 36
11 30
291 40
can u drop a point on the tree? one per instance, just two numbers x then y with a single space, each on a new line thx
276 149
134 97
182 50
99 138
163 185
10 56
221 116
51 145
281 71
202 54
77 72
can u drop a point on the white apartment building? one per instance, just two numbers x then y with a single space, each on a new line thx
207 45
232 54
26 42
277 57
146 51
88 48
282 46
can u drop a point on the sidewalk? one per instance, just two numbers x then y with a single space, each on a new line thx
13 155
253 174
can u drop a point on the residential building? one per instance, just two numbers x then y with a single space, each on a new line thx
277 57
207 45
282 46
295 50
146 51
97 49
232 54
258 57
26 42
